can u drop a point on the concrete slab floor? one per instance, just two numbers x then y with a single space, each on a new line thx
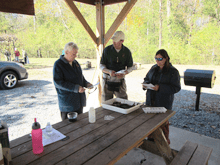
177 137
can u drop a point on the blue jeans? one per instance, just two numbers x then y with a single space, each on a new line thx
17 58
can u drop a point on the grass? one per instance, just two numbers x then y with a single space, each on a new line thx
40 63
37 64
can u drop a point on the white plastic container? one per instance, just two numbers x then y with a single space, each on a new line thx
49 129
108 105
92 117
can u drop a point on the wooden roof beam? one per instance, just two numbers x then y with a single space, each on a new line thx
124 12
17 6
80 17
105 2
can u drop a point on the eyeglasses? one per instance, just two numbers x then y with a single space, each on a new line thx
92 90
158 59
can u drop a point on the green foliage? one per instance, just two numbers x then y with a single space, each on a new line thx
211 8
190 32
4 24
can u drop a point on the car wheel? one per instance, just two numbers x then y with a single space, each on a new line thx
8 80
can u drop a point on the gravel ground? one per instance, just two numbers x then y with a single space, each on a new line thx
36 97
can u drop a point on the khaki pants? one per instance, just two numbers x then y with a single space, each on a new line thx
106 94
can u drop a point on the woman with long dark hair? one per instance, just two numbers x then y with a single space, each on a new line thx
166 81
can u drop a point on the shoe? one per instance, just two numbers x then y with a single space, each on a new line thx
151 139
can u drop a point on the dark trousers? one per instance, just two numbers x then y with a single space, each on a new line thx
64 114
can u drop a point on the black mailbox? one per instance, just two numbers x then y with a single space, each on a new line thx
202 78
199 78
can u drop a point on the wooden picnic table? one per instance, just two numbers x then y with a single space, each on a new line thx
100 143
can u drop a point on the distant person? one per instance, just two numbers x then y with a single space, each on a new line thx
115 57
69 82
27 60
24 54
8 55
39 53
17 54
166 80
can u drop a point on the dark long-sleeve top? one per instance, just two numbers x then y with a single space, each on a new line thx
116 60
67 80
169 84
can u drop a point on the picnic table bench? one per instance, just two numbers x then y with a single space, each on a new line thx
189 154
192 154
88 64
136 65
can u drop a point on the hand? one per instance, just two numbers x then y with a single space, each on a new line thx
119 75
90 86
112 73
126 72
81 89
143 87
156 87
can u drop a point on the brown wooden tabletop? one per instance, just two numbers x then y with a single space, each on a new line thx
100 143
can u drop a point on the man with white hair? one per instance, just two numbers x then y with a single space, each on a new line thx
116 62
69 82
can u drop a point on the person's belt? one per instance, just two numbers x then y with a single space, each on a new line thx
106 76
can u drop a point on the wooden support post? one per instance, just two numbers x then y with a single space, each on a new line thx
163 146
100 39
100 32
151 147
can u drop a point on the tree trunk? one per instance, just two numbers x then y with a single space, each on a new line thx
161 20
168 19
61 15
168 8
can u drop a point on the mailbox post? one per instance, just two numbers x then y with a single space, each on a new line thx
198 92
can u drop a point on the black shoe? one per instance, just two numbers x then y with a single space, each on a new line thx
151 139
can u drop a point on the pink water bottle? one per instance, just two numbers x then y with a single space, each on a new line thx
36 133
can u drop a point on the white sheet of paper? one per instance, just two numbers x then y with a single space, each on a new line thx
120 72
55 136
148 86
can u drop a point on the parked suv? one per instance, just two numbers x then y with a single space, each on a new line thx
10 73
